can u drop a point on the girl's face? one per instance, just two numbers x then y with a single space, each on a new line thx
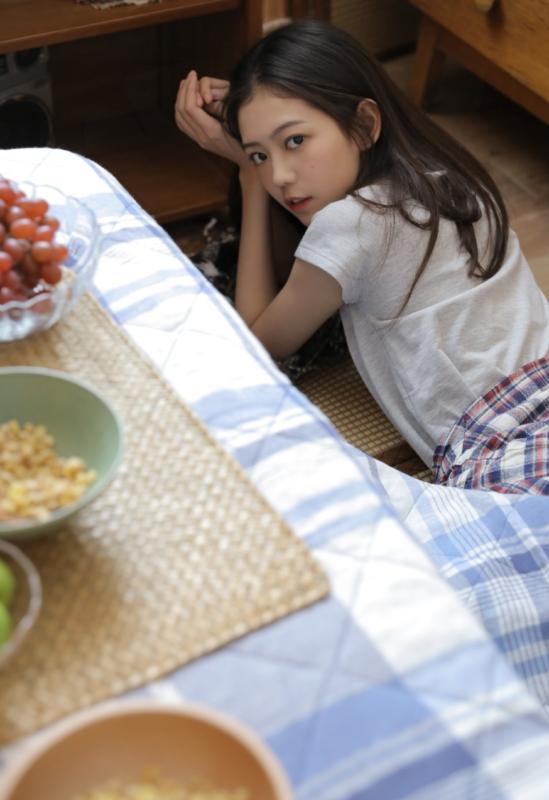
303 158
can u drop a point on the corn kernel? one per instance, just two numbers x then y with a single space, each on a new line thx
34 480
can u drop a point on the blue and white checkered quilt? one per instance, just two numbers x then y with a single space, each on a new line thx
426 672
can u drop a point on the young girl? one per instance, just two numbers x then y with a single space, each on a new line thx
404 232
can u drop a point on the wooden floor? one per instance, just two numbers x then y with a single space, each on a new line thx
511 143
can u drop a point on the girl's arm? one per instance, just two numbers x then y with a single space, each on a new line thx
282 319
256 284
309 298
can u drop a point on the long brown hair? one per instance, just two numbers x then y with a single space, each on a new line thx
327 68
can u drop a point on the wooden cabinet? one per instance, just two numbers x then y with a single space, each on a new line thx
114 77
505 42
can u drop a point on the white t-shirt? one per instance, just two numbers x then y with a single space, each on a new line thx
456 337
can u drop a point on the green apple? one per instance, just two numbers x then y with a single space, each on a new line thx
5 624
7 583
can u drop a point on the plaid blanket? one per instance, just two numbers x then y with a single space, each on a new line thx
502 440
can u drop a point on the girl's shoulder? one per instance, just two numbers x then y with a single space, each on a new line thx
354 228
359 210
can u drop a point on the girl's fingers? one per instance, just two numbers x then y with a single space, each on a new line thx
191 91
189 104
186 107
215 109
187 96
181 102
205 90
212 89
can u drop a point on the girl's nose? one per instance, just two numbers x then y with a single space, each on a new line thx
282 173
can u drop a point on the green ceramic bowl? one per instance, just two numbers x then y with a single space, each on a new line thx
82 422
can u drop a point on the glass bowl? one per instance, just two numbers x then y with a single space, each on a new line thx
27 600
79 232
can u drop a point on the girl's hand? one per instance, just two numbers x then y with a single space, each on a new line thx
212 92
197 114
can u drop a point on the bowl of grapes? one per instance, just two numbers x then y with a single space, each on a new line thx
49 244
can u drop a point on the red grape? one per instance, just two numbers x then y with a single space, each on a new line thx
44 234
6 192
42 252
6 261
23 228
14 212
41 206
61 251
7 295
29 206
53 222
51 273
12 279
16 248
30 270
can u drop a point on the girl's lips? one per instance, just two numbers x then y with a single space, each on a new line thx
299 204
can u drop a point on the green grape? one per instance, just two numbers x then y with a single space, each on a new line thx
7 583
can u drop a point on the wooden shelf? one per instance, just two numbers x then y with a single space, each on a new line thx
164 171
36 23
113 94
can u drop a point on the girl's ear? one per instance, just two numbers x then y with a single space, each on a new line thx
369 114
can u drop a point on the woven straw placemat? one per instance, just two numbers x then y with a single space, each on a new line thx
179 555
338 390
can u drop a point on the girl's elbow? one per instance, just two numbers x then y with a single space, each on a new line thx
248 313
278 347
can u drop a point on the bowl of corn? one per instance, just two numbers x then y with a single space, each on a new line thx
20 599
147 750
60 445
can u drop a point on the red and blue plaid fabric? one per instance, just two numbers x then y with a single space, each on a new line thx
502 441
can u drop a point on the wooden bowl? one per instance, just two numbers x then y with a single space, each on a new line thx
121 739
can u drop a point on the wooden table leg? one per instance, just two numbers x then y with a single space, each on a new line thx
428 60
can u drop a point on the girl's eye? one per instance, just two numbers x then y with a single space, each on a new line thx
257 158
294 141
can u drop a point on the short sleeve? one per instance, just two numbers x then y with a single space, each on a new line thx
341 240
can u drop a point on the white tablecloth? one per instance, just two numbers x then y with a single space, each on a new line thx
425 674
